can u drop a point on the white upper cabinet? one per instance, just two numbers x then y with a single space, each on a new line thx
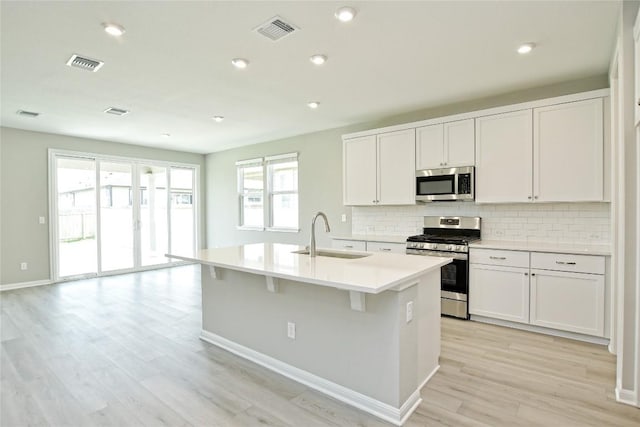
360 171
504 157
546 154
397 168
568 153
380 169
445 145
430 147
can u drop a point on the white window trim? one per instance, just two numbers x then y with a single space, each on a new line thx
242 164
271 160
267 194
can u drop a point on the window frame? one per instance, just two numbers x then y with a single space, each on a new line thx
274 160
267 192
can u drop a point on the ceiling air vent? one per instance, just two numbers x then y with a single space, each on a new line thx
27 113
116 111
83 63
276 28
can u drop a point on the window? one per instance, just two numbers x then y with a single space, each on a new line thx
250 191
282 173
275 205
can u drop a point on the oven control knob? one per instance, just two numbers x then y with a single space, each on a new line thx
421 245
450 247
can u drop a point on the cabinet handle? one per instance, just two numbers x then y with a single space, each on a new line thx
498 257
348 246
533 274
565 263
385 249
535 197
526 274
529 197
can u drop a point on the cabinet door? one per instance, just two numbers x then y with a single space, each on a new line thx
459 143
349 245
568 149
568 301
430 147
504 158
499 292
398 248
359 171
397 168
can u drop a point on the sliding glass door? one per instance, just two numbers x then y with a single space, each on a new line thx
154 242
118 215
76 219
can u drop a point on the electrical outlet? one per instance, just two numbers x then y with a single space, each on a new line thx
343 217
409 311
23 266
291 330
41 220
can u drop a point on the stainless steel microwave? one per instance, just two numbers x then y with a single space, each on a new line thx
446 184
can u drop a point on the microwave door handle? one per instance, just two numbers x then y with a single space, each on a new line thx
455 183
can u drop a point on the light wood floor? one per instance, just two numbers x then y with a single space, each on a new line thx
124 351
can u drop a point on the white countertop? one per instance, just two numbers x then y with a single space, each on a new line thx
375 273
372 238
568 248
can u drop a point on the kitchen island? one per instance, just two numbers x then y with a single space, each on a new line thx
363 328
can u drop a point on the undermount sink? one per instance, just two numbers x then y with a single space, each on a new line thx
333 254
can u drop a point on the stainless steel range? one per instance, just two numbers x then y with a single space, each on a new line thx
450 237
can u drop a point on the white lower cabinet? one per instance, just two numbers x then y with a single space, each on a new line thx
568 301
349 245
370 246
499 292
398 248
559 291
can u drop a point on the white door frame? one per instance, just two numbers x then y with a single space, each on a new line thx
53 208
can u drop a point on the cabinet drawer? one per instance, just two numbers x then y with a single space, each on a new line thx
567 262
349 245
398 248
499 257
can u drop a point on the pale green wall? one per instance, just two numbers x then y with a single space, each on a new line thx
320 164
24 194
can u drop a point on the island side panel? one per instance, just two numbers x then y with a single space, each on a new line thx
358 350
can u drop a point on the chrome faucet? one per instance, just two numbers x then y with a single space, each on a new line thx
312 245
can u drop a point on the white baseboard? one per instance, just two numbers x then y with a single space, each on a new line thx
375 407
541 330
628 397
21 285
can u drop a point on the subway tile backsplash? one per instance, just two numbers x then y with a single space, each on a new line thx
542 222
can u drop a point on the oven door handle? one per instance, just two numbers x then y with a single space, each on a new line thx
454 255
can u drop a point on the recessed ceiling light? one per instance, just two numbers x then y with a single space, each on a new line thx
526 48
218 119
345 14
240 63
313 105
165 135
318 59
113 29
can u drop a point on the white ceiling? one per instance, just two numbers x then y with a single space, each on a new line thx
172 67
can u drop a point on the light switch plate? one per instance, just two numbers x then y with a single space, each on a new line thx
41 220
409 311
